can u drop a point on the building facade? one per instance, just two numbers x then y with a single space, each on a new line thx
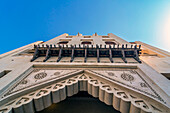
133 77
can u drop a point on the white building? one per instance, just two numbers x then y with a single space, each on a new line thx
130 76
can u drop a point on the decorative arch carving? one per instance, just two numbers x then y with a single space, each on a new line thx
110 94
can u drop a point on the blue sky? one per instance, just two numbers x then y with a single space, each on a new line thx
26 21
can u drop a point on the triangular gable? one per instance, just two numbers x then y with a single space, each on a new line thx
130 79
119 98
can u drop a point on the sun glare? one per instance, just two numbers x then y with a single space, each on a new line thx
164 31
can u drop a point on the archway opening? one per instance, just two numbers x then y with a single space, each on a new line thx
81 102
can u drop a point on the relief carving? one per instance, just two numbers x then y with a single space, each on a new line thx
127 77
111 95
135 81
40 75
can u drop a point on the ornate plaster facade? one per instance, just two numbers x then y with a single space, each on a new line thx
130 76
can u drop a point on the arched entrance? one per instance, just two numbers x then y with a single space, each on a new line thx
80 103
110 94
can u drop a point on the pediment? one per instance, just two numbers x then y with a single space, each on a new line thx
39 77
43 83
129 78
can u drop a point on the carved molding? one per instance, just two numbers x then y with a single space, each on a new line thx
132 79
121 100
38 76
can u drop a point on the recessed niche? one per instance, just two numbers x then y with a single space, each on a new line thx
63 42
3 73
